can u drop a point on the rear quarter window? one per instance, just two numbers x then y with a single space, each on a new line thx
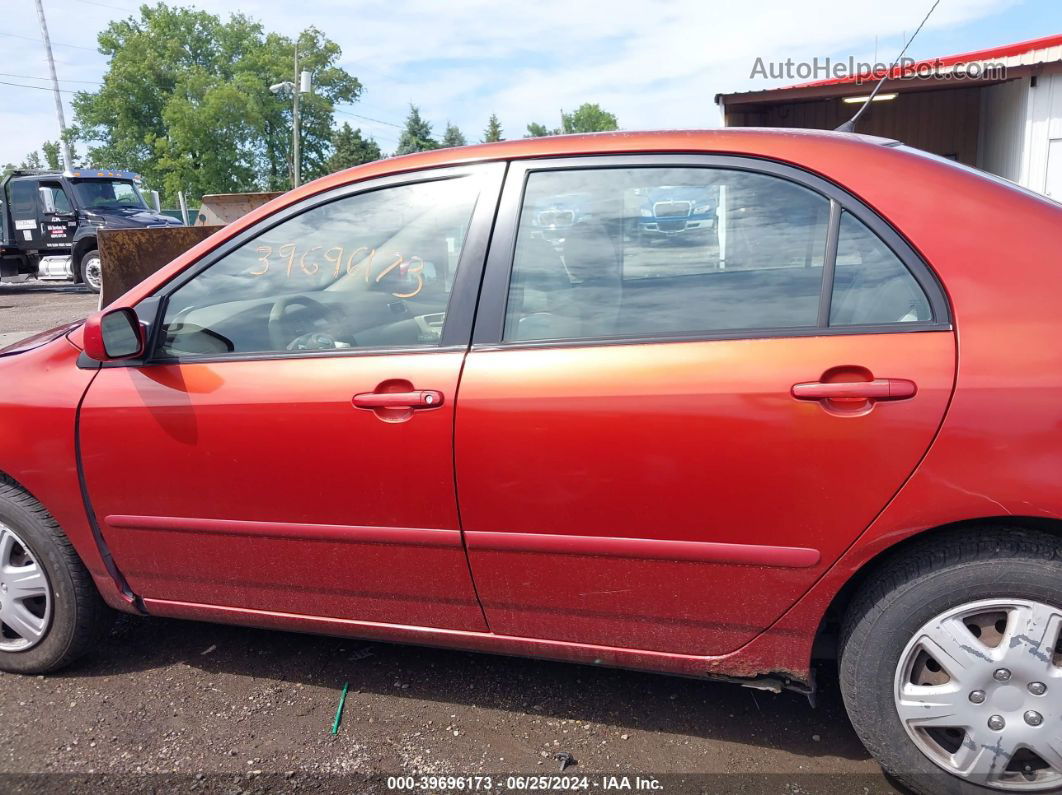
872 286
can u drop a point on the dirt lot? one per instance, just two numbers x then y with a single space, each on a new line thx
252 709
167 705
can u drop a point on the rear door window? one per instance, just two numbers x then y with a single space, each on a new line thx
664 251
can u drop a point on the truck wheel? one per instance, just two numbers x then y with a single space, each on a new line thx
92 271
50 610
951 663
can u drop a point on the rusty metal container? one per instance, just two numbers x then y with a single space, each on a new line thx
224 208
128 256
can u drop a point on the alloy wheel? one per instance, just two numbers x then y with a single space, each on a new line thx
979 691
25 595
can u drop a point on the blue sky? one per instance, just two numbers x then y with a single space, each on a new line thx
656 65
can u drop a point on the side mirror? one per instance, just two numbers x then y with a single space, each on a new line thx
114 334
47 200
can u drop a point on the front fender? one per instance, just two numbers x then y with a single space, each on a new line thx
40 391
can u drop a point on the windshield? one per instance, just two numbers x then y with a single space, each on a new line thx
108 193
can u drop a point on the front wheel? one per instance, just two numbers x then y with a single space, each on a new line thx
50 611
92 271
951 663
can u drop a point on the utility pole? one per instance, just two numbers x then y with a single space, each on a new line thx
295 115
301 85
64 145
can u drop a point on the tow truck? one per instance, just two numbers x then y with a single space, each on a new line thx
49 221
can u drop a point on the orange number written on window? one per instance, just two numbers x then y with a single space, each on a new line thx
336 260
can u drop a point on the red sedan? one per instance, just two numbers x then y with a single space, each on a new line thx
460 399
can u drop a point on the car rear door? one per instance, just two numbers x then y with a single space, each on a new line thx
661 444
287 446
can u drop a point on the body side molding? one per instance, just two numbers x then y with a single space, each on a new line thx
354 534
647 548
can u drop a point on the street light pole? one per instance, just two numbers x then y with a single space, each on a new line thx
64 145
295 118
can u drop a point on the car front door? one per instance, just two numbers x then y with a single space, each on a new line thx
287 446
663 440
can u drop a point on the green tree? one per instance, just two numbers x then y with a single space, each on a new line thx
33 160
416 137
493 131
30 161
350 149
536 130
453 136
588 117
186 102
51 154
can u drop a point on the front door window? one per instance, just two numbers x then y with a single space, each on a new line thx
369 271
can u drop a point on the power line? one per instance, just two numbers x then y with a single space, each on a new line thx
385 138
39 88
92 82
105 5
67 91
38 40
35 77
368 118
368 109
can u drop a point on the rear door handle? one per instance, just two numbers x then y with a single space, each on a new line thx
418 399
878 389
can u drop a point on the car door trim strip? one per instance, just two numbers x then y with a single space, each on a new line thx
352 534
643 548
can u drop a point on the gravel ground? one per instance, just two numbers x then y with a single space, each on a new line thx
33 306
179 706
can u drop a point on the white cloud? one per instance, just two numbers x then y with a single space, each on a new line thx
655 64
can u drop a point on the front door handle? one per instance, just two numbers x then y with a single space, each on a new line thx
878 389
417 399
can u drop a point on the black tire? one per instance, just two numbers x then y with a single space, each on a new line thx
90 281
926 580
79 617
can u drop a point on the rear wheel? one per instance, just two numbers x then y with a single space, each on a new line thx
50 611
92 271
951 663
